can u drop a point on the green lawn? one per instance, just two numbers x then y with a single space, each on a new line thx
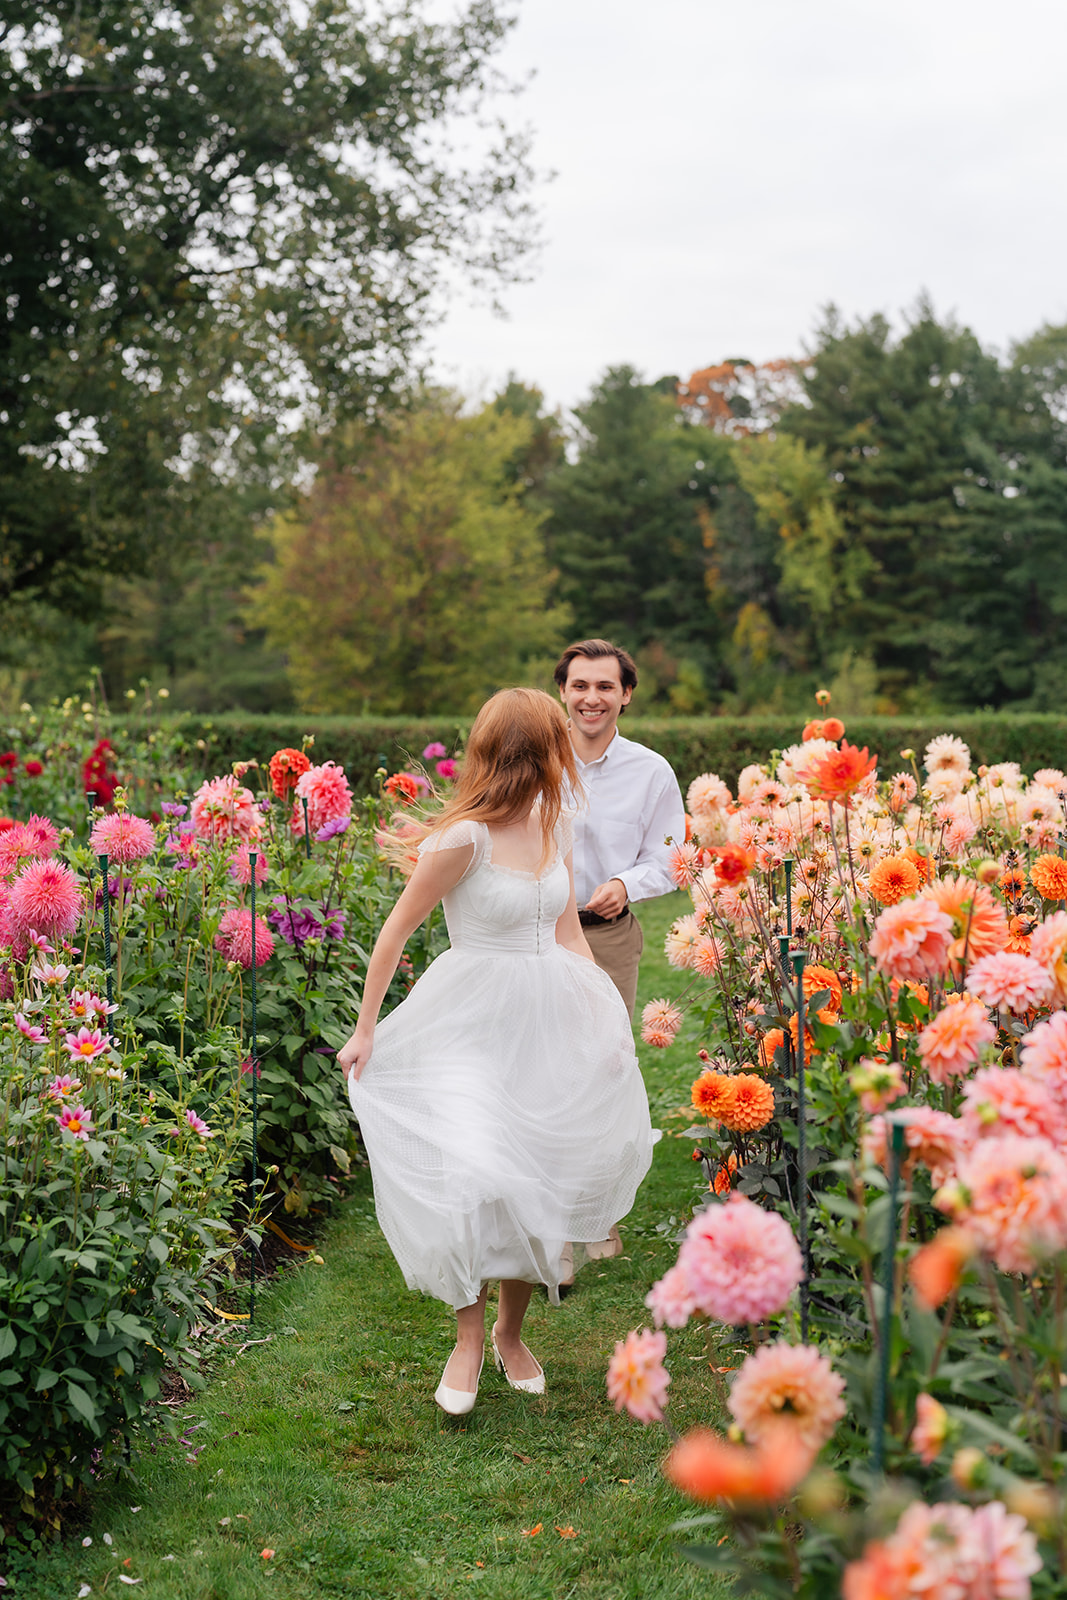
324 1444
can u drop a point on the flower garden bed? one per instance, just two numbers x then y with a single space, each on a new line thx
878 990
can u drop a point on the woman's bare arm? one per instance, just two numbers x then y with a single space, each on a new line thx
436 873
568 929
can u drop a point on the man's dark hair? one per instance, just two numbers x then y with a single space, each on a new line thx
595 648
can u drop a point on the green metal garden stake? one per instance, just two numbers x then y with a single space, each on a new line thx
252 859
107 922
799 962
788 864
307 834
896 1150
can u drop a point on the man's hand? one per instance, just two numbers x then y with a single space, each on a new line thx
354 1056
608 899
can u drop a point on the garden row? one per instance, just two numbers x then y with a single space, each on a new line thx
878 991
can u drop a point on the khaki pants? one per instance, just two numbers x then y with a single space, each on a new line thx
616 948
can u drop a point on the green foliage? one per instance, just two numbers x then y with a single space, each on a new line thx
628 532
104 1242
691 744
412 575
215 214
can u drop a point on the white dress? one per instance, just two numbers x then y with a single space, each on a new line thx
502 1108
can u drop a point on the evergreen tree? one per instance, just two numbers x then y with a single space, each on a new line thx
629 531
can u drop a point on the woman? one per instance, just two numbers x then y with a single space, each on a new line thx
500 1103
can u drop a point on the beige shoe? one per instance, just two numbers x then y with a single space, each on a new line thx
534 1385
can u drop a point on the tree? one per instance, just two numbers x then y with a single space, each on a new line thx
221 217
412 577
629 530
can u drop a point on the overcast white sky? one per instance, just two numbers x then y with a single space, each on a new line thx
725 169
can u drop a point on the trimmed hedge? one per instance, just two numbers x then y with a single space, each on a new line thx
691 744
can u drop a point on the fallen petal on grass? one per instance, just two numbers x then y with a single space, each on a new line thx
266 1554
531 1533
565 1533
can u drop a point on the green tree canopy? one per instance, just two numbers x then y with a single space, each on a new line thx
220 217
413 575
629 525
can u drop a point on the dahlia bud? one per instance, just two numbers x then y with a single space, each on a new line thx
907 755
822 697
983 771
988 871
822 1493
970 1469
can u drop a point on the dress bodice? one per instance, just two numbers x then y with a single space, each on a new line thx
500 911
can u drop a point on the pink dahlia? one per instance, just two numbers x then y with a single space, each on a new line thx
707 956
660 1021
234 938
947 1552
1008 981
782 1384
707 793
741 1263
931 1139
43 834
198 1125
1048 947
1011 1193
951 1043
328 796
45 897
1001 1100
684 864
911 940
223 808
241 865
1044 1055
681 939
122 837
637 1379
671 1299
87 1044
76 1121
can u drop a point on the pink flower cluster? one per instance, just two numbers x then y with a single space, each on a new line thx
951 1043
122 837
234 938
737 1263
223 809
948 1552
328 796
783 1385
660 1021
637 1380
1010 1192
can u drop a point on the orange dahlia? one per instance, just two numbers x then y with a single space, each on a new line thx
979 924
923 864
752 1105
733 864
707 1467
713 1094
771 1042
833 728
817 979
837 774
1049 877
1019 931
892 879
286 766
723 1181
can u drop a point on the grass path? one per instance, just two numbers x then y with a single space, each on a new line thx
324 1444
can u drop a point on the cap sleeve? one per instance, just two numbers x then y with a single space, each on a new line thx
455 837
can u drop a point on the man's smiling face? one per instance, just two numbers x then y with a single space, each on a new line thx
593 694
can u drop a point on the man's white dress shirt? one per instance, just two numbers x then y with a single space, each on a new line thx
632 803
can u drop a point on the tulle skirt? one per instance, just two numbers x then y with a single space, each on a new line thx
504 1114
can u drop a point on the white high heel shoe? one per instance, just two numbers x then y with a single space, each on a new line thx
457 1402
534 1385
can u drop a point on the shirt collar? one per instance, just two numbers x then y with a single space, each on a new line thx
600 759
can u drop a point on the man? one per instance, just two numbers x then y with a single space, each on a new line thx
633 804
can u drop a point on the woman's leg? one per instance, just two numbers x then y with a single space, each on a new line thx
514 1298
465 1361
